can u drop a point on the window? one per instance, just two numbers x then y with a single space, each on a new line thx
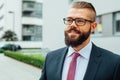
98 30
28 13
32 33
32 9
117 23
38 10
28 4
28 8
26 38
118 26
28 30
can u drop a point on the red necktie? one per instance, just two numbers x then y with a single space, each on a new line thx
72 67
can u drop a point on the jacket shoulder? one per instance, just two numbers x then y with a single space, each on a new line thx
106 53
58 51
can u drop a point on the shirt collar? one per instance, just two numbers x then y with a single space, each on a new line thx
84 52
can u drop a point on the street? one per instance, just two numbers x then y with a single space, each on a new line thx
11 69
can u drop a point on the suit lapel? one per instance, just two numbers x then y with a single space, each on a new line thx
93 65
60 63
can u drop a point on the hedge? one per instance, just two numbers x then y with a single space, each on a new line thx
1 51
35 61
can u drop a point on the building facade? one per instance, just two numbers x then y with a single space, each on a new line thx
32 20
24 17
106 35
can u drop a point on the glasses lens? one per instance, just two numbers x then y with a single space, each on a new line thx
80 22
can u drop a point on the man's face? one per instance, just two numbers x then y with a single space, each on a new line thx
76 34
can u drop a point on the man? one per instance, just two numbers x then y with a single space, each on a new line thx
91 62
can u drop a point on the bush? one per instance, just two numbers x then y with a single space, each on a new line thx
35 61
1 51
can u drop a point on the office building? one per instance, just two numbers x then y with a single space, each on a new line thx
24 17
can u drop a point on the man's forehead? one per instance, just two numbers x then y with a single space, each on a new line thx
83 12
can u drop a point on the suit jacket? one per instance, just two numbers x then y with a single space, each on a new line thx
103 65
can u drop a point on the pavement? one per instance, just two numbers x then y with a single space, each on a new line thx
11 69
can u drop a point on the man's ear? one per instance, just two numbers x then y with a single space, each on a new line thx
93 26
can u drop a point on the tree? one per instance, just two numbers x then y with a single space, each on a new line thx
9 36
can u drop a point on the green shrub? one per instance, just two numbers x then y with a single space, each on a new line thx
1 51
35 61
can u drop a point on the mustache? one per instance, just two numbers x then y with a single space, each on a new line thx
73 29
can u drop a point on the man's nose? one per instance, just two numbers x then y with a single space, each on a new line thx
74 24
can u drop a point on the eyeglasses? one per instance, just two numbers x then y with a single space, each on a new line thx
78 21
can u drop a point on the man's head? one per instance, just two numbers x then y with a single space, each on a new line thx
87 5
80 22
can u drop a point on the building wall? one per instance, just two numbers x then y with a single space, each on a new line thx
107 21
53 31
32 20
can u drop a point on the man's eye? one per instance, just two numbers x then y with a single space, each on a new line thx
69 20
80 20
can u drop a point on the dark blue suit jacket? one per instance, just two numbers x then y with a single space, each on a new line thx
103 65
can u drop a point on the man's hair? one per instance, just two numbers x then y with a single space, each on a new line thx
87 5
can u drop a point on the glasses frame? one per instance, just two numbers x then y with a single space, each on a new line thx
75 19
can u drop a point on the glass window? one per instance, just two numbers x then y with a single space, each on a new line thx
38 10
32 9
32 33
117 23
118 26
28 14
26 38
28 4
98 30
38 33
28 8
28 30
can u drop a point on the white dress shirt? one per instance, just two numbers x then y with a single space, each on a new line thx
82 62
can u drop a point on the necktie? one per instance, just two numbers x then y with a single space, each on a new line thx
72 67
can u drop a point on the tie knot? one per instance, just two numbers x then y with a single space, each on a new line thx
75 55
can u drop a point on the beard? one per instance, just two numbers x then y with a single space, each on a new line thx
74 42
